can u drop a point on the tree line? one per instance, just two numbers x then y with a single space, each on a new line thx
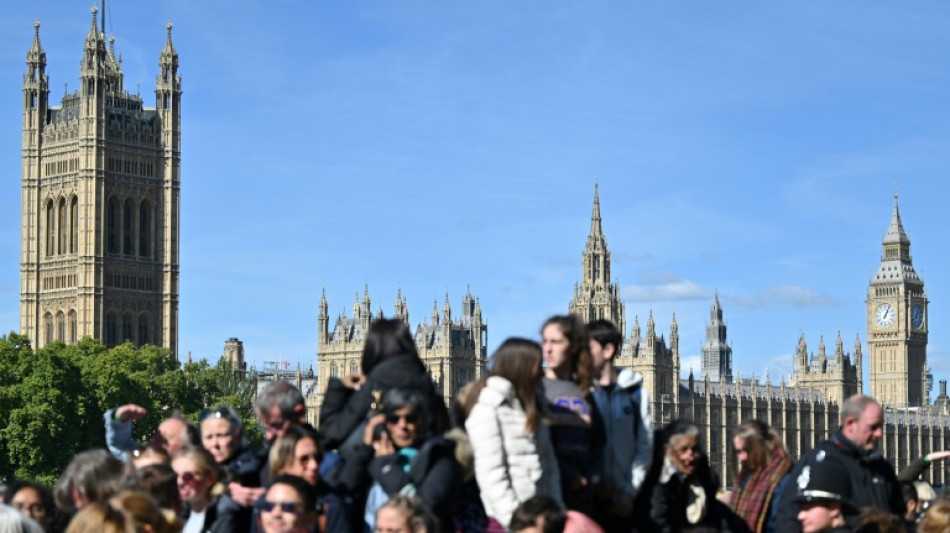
52 400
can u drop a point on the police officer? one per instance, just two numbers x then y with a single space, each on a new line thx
823 494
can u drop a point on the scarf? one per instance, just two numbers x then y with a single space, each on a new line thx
751 499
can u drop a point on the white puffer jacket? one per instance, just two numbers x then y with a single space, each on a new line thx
511 465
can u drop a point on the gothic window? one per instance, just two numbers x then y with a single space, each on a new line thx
334 371
143 330
48 326
73 327
112 225
61 224
127 229
596 267
60 326
127 328
111 330
354 368
145 228
74 225
50 228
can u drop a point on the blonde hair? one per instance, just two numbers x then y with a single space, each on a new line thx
100 518
206 465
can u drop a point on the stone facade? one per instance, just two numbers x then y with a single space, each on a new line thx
805 410
454 350
100 202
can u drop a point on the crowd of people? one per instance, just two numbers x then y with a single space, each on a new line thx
555 438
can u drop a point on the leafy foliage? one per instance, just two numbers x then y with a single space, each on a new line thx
52 400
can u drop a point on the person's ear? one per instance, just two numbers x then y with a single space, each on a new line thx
609 351
300 409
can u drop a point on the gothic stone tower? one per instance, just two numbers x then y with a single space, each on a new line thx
658 362
837 378
596 297
717 353
897 323
100 206
454 350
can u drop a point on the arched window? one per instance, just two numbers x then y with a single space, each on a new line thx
127 231
74 225
48 326
143 330
50 229
60 326
61 225
354 368
112 225
334 371
73 327
111 330
127 328
145 228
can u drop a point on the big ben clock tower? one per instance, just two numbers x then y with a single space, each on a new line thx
897 324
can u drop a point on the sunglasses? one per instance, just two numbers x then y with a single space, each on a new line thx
285 507
394 418
189 477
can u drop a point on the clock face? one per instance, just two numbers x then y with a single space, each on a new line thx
917 316
884 315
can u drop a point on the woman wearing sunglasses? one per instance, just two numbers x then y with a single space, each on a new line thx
298 453
205 506
288 507
399 455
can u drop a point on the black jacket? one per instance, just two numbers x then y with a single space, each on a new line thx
873 482
433 472
343 409
223 515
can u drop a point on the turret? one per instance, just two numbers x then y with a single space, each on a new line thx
401 311
446 310
822 358
323 318
801 356
858 362
839 353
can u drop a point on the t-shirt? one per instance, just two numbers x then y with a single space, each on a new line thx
570 415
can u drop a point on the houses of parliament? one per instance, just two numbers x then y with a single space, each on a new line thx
100 258
100 201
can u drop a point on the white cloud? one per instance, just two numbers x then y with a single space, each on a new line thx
664 286
782 295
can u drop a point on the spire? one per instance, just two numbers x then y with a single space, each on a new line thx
323 302
36 55
595 222
895 231
446 309
169 50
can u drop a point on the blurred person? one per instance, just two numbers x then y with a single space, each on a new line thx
145 514
298 453
100 517
222 434
289 507
12 520
936 519
624 409
35 501
761 463
149 454
567 383
514 458
398 453
539 514
390 359
173 434
873 479
873 520
161 483
823 495
279 405
405 514
205 505
911 501
92 476
679 492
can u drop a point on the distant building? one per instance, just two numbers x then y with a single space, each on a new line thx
454 350
100 206
234 352
805 410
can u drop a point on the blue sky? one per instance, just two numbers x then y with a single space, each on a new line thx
747 148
